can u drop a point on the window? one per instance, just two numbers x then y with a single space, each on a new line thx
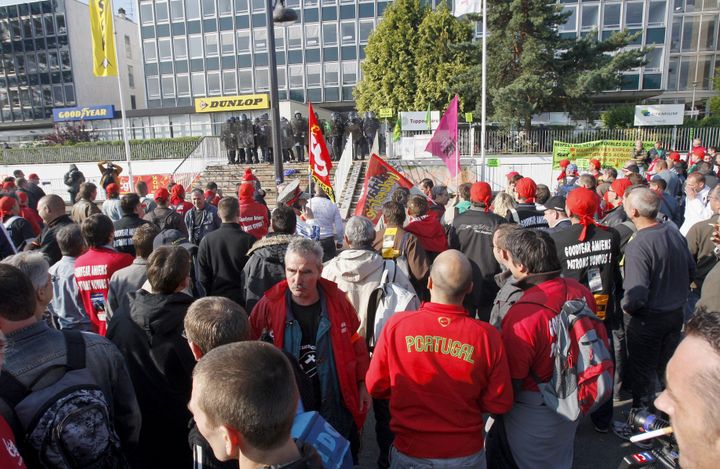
64 59
128 47
180 46
294 36
656 13
313 75
634 14
164 49
183 85
213 83
589 17
208 8
366 28
654 59
245 79
227 43
224 7
703 72
228 81
281 78
211 44
279 39
196 48
312 35
260 39
330 35
691 31
687 73
176 11
259 5
349 73
49 25
161 13
146 13
192 12
332 74
347 31
571 22
295 73
241 6
131 77
197 81
708 32
710 5
676 34
153 87
168 86
261 79
149 48
243 41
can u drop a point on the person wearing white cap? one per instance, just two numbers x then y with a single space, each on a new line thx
292 196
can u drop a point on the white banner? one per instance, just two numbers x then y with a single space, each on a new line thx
463 7
418 120
659 114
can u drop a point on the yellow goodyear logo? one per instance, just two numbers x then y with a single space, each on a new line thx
246 102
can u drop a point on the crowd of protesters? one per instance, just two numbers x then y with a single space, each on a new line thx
179 302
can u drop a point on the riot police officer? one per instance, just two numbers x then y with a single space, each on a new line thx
229 139
245 139
337 132
286 139
370 129
299 129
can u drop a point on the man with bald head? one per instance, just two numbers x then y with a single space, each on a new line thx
441 370
52 211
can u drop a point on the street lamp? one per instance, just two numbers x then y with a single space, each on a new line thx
692 106
276 13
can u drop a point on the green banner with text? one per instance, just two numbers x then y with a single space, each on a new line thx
613 153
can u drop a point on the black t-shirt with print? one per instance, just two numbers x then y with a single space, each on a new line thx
308 317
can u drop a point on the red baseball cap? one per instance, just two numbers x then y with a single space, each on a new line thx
33 176
162 194
675 156
595 164
512 174
619 186
564 163
6 205
8 186
112 188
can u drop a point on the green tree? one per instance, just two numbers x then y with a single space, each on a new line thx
438 61
714 102
619 117
531 69
389 68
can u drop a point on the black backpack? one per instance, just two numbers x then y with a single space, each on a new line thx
66 424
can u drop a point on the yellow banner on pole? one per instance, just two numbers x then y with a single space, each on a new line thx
103 38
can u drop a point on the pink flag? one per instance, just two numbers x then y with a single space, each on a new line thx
443 143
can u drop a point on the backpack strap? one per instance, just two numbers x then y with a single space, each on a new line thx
10 221
12 391
374 302
75 350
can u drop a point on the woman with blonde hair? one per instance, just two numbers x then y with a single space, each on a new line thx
504 205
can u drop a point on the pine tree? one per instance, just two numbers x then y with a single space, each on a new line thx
389 68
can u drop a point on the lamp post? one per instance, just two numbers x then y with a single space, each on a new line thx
692 106
276 13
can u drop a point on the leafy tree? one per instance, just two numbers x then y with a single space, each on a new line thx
619 117
714 102
70 134
389 68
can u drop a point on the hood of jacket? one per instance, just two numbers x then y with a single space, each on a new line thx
158 314
356 265
272 246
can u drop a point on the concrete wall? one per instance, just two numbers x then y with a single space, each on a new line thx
89 89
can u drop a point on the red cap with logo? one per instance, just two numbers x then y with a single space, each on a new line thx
162 194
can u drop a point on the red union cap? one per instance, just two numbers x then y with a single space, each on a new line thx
526 189
512 174
162 194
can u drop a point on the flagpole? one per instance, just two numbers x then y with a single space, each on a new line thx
483 94
122 105
457 146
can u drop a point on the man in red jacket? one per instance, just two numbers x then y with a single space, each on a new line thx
426 228
441 371
313 320
94 268
254 217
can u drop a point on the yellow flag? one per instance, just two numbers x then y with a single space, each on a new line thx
103 38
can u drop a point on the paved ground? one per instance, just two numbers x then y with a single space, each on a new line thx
593 450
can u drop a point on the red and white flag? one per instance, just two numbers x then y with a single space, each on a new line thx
320 163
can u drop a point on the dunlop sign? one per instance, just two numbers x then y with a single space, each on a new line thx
245 102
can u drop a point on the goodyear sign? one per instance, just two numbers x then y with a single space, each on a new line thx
83 113
245 102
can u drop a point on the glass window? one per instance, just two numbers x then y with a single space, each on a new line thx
294 36
211 44
161 12
687 73
330 34
260 39
149 49
131 77
183 85
261 79
258 5
229 82
281 78
49 25
312 35
245 79
690 5
676 34
710 5
213 83
634 14
691 31
279 39
153 87
589 17
571 22
366 28
652 81
164 49
655 36
192 12
347 31
654 59
64 59
313 75
656 13
227 42
38 26
198 84
708 33
196 47
703 72
146 13
208 8
630 82
176 14
243 41
295 73
224 7
180 46
332 74
241 6
128 47
349 73
168 86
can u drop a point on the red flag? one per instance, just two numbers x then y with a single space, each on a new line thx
320 164
381 180
443 143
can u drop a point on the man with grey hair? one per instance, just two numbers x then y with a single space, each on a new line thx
36 267
439 199
202 218
312 319
67 304
658 269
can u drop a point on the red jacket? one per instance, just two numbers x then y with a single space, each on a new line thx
254 217
441 371
349 349
526 331
429 232
92 273
180 206
33 218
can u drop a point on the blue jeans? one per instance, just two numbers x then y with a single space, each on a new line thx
399 460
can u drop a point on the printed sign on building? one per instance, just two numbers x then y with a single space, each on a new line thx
660 114
83 113
419 120
245 102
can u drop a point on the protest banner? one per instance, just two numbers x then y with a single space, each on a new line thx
320 162
613 153
153 181
381 180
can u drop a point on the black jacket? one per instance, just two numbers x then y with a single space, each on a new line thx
167 219
265 266
47 243
124 230
160 365
20 231
472 234
221 258
530 216
614 217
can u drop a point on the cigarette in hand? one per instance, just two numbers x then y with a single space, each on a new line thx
651 435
